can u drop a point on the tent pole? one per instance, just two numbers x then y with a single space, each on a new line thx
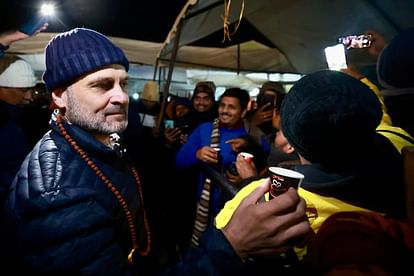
167 83
238 58
155 68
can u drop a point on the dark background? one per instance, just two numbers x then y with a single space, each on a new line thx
149 20
144 20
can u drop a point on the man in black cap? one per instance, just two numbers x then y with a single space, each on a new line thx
394 70
330 119
204 107
76 206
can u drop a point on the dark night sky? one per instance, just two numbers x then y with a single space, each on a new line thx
149 20
145 20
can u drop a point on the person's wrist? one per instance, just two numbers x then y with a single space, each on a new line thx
234 242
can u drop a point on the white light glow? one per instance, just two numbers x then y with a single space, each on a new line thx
47 9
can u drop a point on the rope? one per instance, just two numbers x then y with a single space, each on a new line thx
226 21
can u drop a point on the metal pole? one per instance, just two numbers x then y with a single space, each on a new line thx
169 77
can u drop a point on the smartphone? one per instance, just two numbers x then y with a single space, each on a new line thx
356 41
31 26
265 99
169 124
184 128
335 57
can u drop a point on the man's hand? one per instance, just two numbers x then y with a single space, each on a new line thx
261 115
183 138
8 38
266 229
171 135
245 168
207 154
236 143
377 43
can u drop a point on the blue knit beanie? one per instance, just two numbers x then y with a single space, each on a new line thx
329 116
74 53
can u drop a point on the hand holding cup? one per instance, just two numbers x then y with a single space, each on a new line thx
282 179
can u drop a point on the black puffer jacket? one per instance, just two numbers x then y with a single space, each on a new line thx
61 219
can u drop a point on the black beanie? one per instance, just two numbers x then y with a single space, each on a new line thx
74 53
395 65
328 116
208 87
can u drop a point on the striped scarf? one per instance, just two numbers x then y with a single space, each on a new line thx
203 206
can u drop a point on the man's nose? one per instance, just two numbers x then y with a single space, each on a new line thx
119 95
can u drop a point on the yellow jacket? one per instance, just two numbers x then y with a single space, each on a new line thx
398 136
318 208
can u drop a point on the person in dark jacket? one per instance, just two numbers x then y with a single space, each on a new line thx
76 206
269 99
394 67
17 80
204 106
342 154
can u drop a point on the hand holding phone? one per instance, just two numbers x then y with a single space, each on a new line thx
169 124
184 128
34 25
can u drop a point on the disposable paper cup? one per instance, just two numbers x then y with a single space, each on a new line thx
282 179
247 156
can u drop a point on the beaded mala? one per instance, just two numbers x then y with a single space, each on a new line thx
117 194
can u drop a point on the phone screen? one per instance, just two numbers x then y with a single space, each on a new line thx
168 123
335 57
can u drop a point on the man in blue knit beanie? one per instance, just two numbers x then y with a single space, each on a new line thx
76 205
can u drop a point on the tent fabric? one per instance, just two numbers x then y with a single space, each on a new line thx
137 51
254 56
299 29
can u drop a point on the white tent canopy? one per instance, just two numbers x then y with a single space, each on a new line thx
137 51
143 55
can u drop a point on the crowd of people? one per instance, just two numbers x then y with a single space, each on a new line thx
108 189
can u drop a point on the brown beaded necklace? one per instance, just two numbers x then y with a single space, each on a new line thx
115 191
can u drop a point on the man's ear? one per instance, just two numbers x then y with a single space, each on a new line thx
59 97
288 148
